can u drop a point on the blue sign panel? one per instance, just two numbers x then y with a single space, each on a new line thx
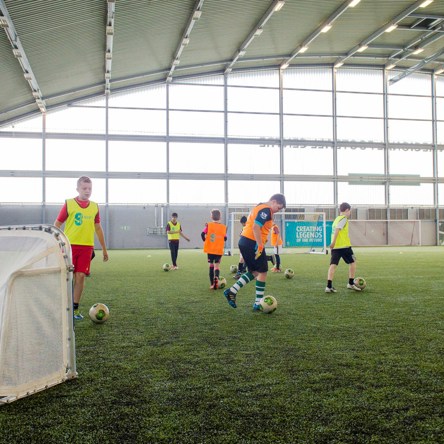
306 233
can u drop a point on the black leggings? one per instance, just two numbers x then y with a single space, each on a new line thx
174 248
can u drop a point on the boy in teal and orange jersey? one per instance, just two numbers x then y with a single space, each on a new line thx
214 236
82 222
251 245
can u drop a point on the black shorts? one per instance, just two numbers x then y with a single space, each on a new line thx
345 253
214 258
247 248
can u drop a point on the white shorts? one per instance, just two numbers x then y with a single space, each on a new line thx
277 249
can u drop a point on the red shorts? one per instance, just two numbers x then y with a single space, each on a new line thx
81 258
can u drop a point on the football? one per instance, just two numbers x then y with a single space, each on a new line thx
99 313
233 268
268 304
166 267
222 282
289 273
360 282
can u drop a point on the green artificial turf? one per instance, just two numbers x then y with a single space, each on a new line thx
176 364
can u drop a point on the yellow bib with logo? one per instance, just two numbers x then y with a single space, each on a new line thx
80 226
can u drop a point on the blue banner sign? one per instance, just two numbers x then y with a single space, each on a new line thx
306 233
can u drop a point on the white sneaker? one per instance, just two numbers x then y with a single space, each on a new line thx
353 287
330 290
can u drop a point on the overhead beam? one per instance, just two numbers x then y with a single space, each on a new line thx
19 52
324 27
109 35
392 24
185 40
275 6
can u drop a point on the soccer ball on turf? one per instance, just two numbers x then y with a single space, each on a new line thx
222 282
268 304
289 273
99 313
166 267
360 282
233 268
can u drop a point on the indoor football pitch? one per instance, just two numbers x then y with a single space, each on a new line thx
176 364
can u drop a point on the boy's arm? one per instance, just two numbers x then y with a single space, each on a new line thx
183 235
335 236
101 238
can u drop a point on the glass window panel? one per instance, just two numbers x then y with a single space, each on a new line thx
151 97
440 109
360 160
20 189
196 158
253 125
419 84
253 100
312 160
410 161
308 193
440 132
253 159
32 125
308 102
251 192
360 130
191 123
409 107
196 97
364 105
137 191
137 156
308 127
411 195
75 155
440 85
60 189
359 80
196 191
20 154
77 119
255 78
130 121
361 194
309 78
441 194
409 131
440 163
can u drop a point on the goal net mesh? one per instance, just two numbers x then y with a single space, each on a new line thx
37 347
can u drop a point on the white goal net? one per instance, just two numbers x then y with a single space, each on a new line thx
37 346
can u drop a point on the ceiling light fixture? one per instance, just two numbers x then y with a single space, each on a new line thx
417 51
338 64
391 27
326 28
425 4
353 3
362 48
185 41
303 49
258 32
390 66
197 14
439 71
285 65
279 5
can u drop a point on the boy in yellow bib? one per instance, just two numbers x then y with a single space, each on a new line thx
341 248
82 220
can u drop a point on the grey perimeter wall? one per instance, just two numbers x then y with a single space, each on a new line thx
139 226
